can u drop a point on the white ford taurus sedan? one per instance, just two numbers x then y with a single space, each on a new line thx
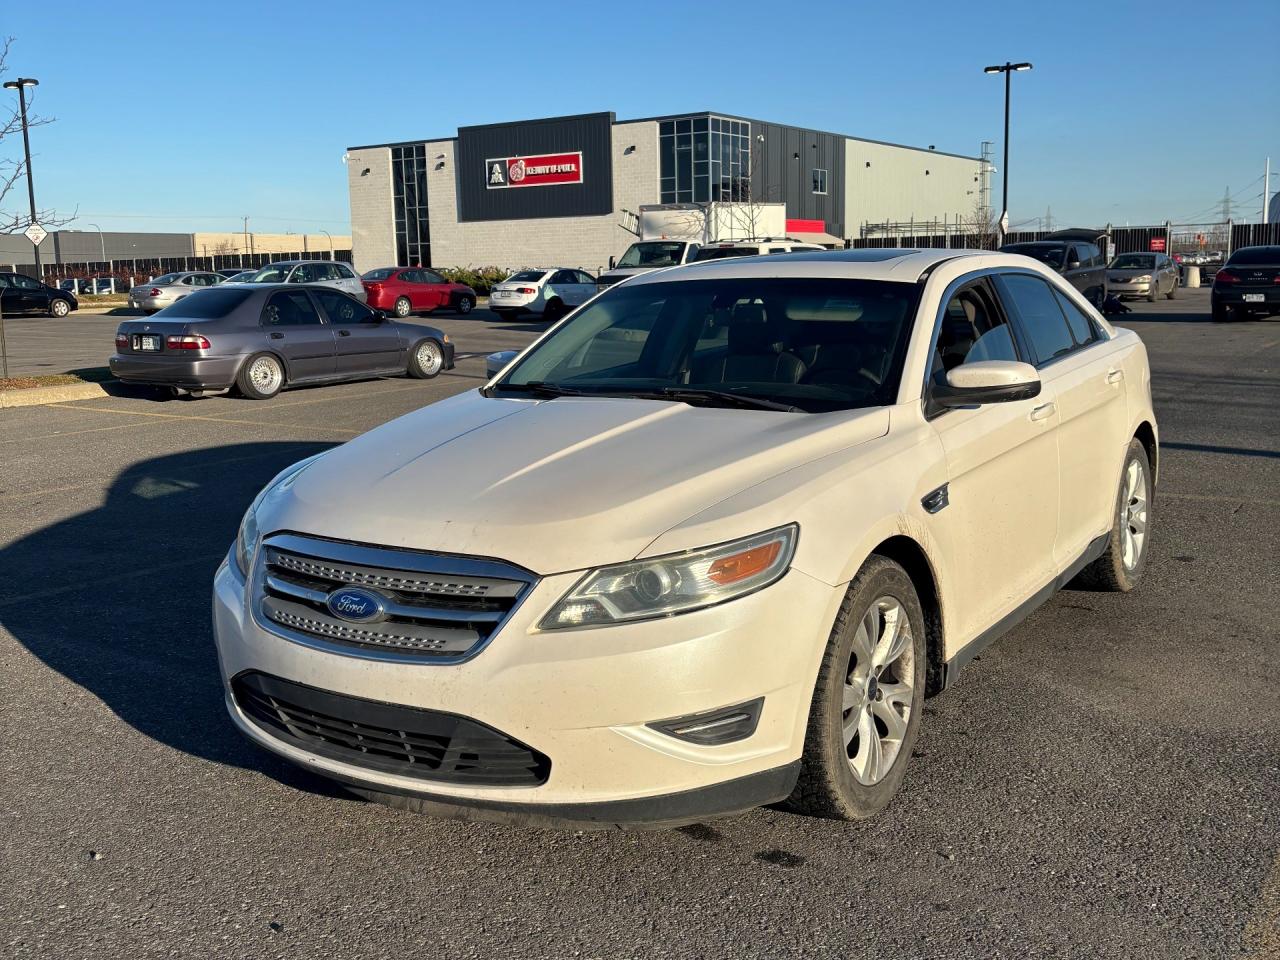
709 543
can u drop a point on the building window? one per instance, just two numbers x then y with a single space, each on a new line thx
409 200
819 180
703 159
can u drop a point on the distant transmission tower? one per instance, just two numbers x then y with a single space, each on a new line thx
1226 205
1048 218
984 186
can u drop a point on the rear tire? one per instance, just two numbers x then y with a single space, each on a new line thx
1221 313
402 307
426 360
1120 567
873 671
261 377
554 310
466 305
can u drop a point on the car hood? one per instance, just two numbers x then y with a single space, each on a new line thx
551 485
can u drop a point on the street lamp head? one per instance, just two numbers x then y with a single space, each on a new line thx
1021 66
21 82
993 69
1007 67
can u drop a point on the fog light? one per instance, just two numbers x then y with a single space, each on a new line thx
726 725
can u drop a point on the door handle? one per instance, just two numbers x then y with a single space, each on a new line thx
277 335
344 333
1115 376
1044 411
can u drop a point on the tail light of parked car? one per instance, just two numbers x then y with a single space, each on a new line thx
1222 276
122 341
526 290
155 292
186 342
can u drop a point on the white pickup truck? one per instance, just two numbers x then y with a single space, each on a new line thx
672 233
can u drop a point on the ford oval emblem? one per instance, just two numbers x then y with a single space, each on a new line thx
356 605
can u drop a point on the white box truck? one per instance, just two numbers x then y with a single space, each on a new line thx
672 233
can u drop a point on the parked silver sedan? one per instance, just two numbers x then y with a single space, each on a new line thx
329 273
168 289
1150 275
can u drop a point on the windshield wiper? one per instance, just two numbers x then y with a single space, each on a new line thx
540 388
694 395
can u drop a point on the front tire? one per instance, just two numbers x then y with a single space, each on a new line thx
59 308
261 377
868 699
1173 290
1153 292
426 360
402 307
1121 565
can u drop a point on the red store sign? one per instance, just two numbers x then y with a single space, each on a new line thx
1157 244
546 170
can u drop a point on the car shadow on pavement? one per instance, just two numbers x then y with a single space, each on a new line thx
117 599
1158 315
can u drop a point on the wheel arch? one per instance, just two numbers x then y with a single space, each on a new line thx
909 555
1146 435
284 364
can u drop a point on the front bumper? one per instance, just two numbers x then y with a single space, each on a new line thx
1122 289
201 373
583 698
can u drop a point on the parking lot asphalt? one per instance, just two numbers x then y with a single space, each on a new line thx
1103 782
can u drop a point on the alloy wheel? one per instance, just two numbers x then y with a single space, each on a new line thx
266 375
429 357
878 690
1134 514
402 307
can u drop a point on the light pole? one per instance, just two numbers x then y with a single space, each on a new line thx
1008 69
111 270
330 236
21 85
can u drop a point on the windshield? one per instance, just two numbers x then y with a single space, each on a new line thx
272 273
382 274
207 304
813 344
1044 252
526 276
1133 261
720 253
167 278
653 253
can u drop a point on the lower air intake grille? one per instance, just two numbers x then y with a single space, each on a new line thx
386 737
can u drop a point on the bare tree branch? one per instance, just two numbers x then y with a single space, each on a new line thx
13 171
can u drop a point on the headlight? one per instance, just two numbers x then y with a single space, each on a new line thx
677 583
1145 278
247 536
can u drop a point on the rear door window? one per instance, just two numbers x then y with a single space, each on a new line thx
1082 330
1042 320
292 308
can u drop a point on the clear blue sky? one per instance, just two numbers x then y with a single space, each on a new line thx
185 117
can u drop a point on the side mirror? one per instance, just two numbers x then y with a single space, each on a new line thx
1073 265
986 381
613 262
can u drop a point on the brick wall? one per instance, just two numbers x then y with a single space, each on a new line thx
373 238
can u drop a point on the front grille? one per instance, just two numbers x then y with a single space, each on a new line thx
406 741
434 606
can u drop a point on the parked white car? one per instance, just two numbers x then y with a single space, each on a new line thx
707 544
753 248
328 273
547 292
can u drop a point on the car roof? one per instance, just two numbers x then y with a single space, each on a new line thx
876 263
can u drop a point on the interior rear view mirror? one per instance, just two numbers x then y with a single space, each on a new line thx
987 381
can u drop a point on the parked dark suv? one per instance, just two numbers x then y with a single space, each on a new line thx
1248 285
21 294
1074 254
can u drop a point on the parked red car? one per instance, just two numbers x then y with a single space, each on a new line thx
406 290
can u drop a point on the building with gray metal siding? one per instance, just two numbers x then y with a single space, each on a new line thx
560 191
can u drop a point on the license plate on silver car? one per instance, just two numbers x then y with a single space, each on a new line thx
1254 297
145 341
503 293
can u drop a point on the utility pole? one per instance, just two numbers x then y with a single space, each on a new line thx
1008 69
1266 190
246 234
21 85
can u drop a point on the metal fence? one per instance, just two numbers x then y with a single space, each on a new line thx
140 270
1212 241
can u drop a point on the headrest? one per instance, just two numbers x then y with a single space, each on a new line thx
753 336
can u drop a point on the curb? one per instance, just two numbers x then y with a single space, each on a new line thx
35 396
